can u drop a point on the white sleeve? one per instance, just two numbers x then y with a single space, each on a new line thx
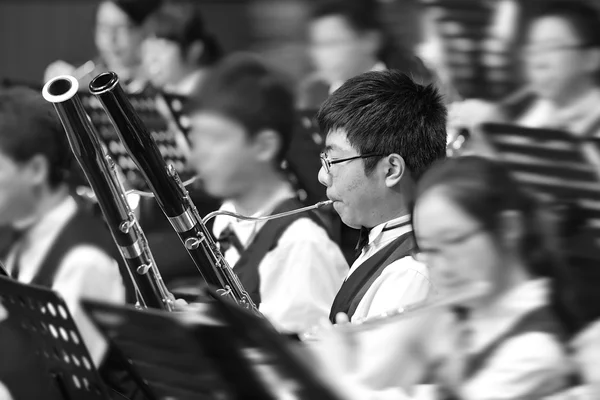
88 272
300 277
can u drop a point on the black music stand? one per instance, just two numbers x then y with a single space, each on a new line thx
276 353
179 355
45 319
148 107
553 165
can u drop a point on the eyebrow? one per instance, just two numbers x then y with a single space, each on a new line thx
330 147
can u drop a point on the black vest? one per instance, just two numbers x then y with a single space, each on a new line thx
538 320
355 287
266 240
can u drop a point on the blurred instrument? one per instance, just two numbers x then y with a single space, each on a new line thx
101 173
460 137
170 193
468 293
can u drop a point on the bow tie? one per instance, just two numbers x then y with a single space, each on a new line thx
363 240
228 238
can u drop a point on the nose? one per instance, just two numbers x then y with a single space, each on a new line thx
324 177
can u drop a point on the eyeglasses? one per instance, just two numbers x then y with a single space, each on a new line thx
326 162
449 248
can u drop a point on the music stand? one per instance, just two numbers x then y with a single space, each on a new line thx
44 317
273 354
552 164
148 107
179 355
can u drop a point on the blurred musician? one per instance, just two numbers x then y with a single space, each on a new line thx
347 38
56 243
118 37
562 63
178 50
378 145
242 122
473 225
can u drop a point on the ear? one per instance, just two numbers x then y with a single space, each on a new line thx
512 228
37 170
266 144
394 169
194 52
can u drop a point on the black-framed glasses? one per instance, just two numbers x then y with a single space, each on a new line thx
326 162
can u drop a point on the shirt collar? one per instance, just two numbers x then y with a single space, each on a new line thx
395 227
54 219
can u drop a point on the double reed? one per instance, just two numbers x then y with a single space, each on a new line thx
169 191
100 171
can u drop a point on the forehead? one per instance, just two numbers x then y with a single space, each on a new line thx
436 214
331 26
337 140
209 122
552 29
110 13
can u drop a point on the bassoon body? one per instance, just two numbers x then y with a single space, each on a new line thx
100 171
169 191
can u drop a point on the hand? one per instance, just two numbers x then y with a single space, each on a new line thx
58 68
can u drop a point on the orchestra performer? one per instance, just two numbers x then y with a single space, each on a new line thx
347 38
241 126
475 225
383 131
56 243
178 50
118 37
561 60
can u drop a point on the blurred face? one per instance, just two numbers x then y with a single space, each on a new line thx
337 51
163 61
222 155
118 40
17 194
356 196
454 246
556 63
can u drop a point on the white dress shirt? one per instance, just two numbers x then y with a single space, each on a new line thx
85 272
300 277
403 282
528 366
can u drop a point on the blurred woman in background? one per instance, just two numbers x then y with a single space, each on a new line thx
178 50
118 37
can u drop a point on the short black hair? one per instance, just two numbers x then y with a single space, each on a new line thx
387 112
583 18
183 24
255 95
29 126
137 10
